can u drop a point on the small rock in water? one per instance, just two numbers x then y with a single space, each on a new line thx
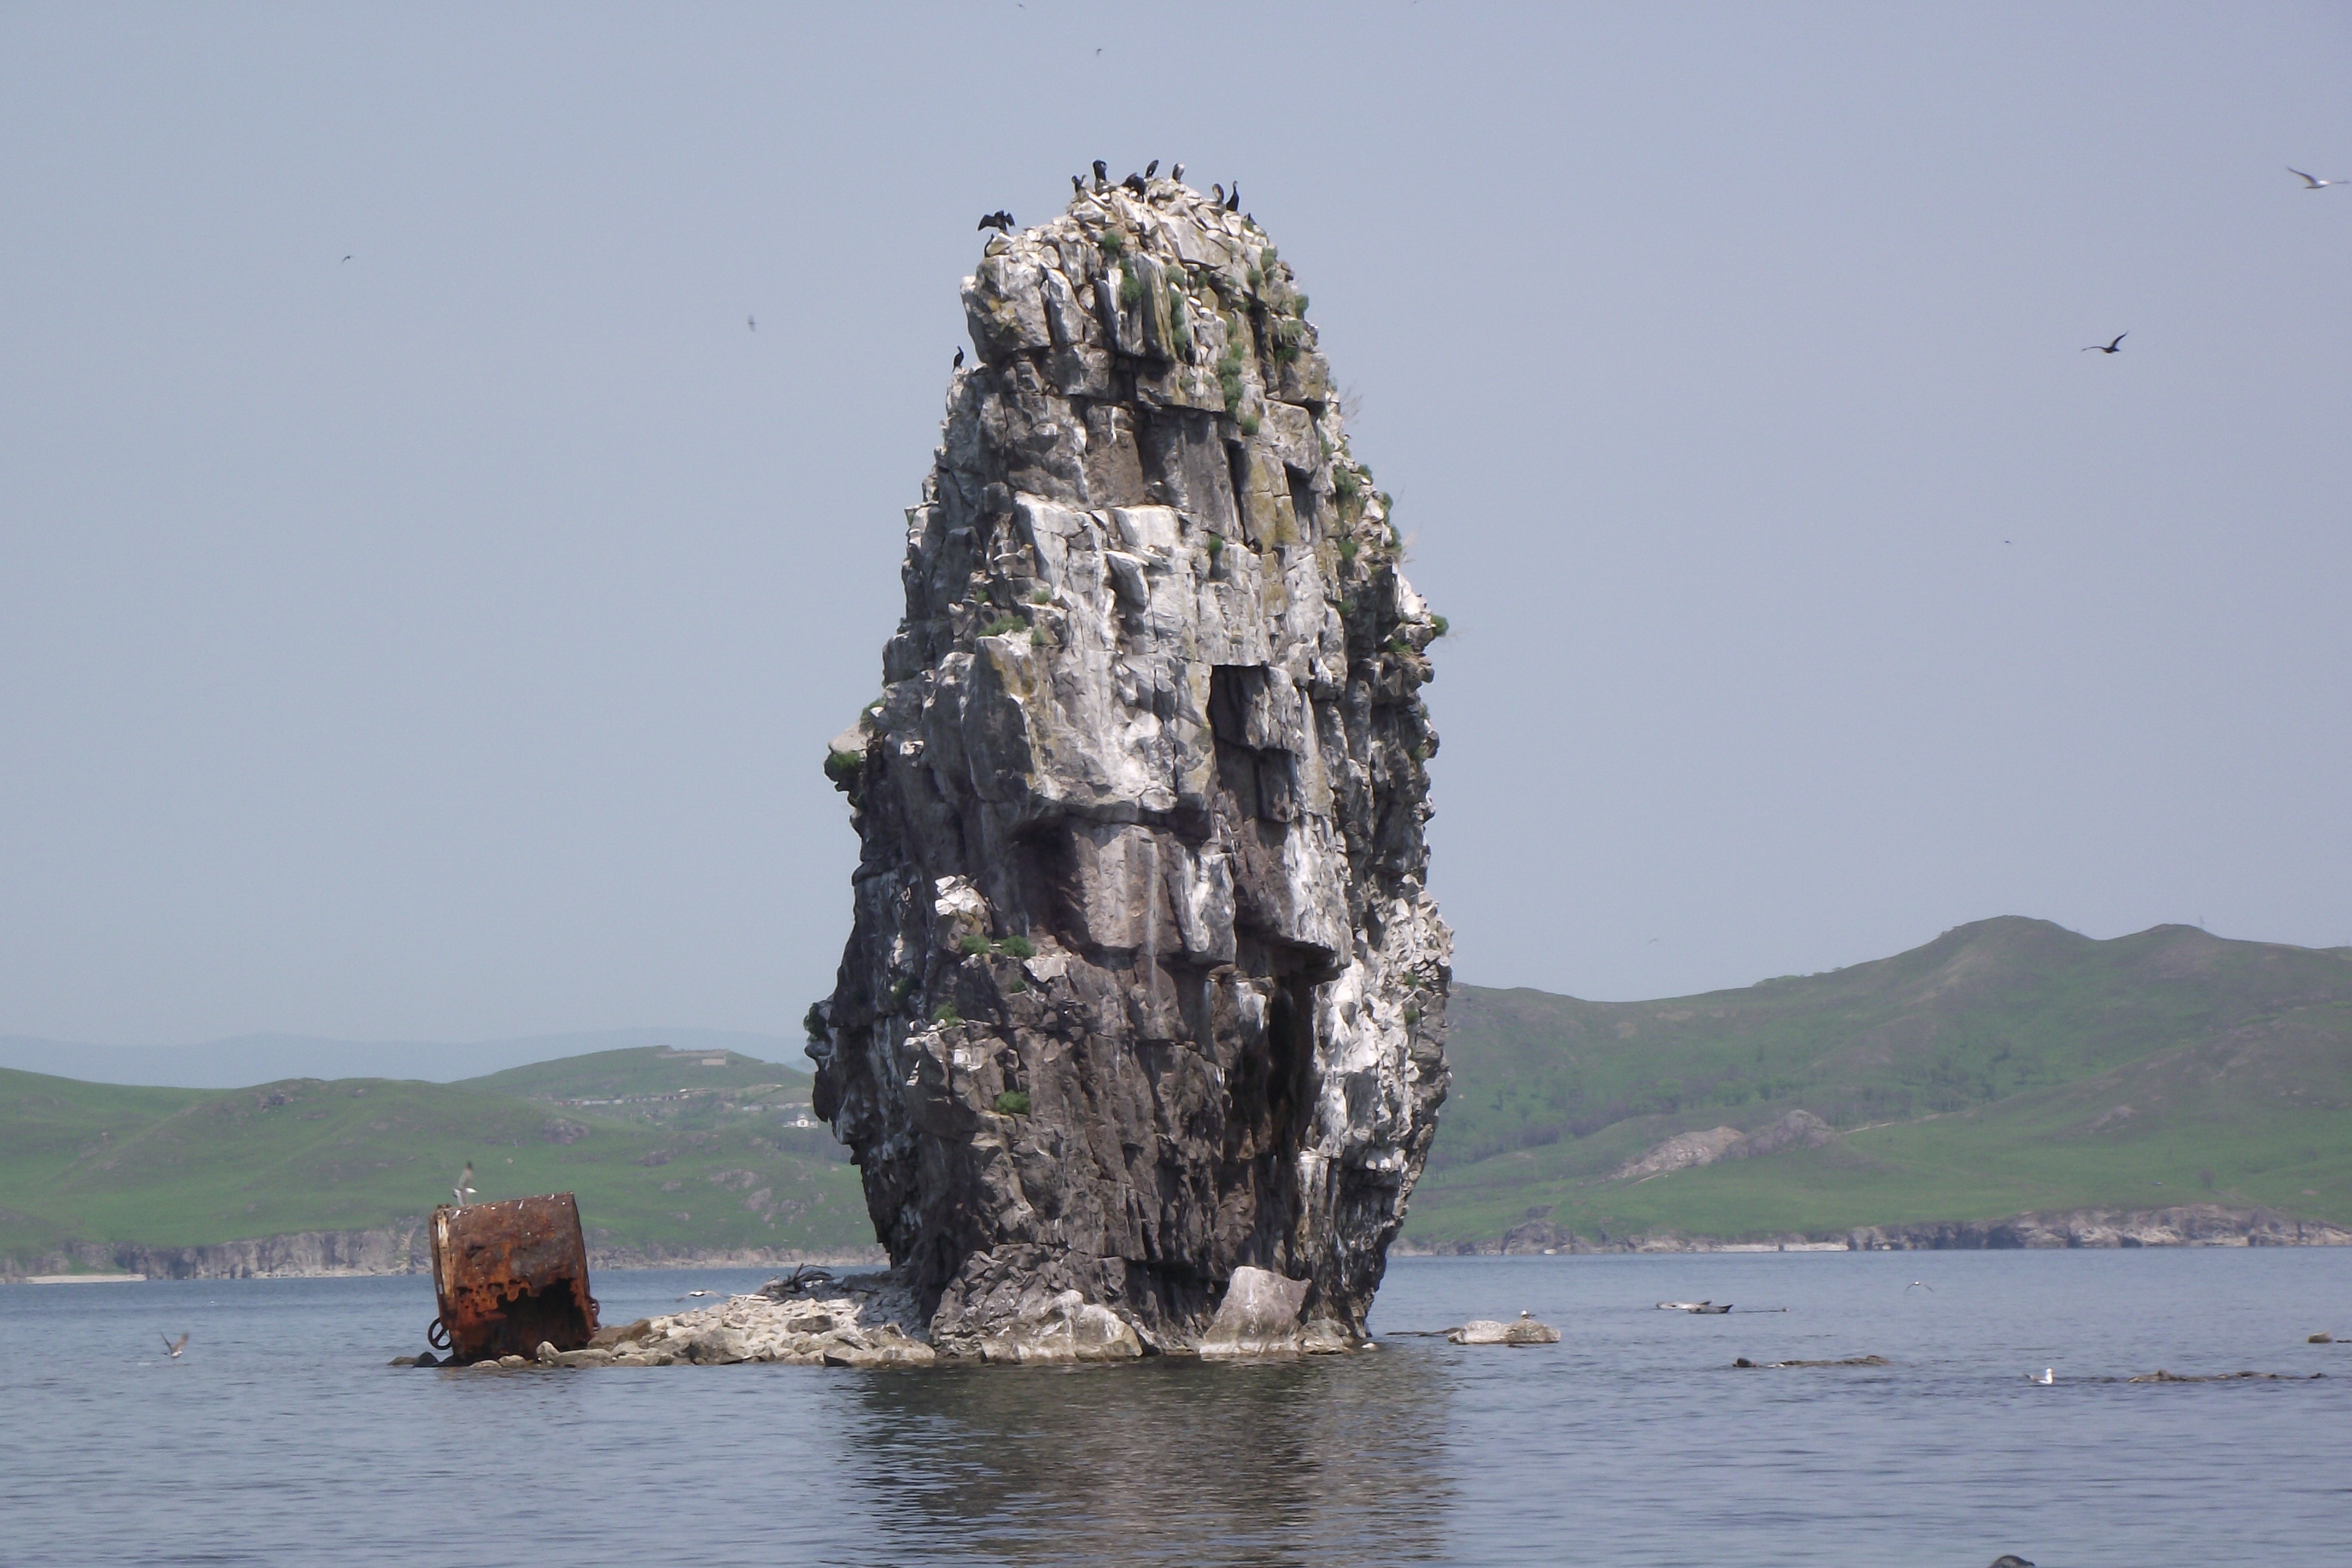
1259 1315
2010 1560
1525 1331
2322 1338
424 1358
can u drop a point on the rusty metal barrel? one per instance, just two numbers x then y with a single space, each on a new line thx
510 1274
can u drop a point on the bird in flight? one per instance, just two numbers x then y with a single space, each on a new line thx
752 322
2114 347
173 1346
347 259
465 1187
2309 183
1918 1285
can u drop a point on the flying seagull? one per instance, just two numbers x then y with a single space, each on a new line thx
2306 176
2309 183
2110 348
1918 1285
465 1187
173 1345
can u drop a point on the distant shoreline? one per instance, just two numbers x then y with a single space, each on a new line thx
384 1250
389 1250
2183 1224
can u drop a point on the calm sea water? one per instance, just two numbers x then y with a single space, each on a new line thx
281 1438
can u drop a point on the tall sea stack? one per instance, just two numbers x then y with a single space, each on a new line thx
1143 985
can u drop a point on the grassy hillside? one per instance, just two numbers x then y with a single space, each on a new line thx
185 1167
641 1074
2009 1065
2006 1066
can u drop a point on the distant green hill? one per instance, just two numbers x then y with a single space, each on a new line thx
617 1074
721 1169
2008 1066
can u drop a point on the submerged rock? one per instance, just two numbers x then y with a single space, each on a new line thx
1525 1331
1143 986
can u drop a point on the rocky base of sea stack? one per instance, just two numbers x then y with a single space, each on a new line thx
875 1321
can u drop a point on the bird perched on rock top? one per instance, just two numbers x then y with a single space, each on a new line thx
1134 182
173 1346
465 1187
959 358
2309 183
1077 186
1177 174
999 220
1102 174
1151 168
1217 191
1233 198
2108 348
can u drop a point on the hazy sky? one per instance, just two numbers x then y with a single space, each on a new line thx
443 643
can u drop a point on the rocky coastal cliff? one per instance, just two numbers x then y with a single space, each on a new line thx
1143 985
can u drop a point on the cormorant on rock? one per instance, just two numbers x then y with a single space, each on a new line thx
1177 174
1217 191
1000 220
1233 202
1151 168
1134 182
959 358
1077 185
1102 174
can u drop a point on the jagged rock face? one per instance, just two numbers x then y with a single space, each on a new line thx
1143 985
